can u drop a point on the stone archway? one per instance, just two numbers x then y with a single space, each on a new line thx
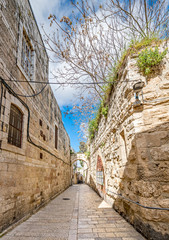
81 157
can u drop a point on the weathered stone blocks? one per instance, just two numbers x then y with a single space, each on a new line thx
29 176
138 150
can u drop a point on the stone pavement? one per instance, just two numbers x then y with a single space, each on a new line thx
84 216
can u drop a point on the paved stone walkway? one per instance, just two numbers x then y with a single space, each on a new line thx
84 216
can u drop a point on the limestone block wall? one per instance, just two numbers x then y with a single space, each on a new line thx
32 174
133 144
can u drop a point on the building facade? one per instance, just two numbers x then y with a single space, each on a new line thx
34 145
129 156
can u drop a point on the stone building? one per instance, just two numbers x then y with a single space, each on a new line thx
129 155
34 146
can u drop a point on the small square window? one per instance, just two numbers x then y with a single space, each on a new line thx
41 133
3 110
40 122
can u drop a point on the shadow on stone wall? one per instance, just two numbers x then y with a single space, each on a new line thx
93 185
145 180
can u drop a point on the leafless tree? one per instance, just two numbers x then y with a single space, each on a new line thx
90 41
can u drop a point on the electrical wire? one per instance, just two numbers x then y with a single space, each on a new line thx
33 95
11 91
65 83
137 203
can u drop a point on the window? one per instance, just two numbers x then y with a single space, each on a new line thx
40 122
99 177
44 137
3 110
15 127
27 55
56 137
100 172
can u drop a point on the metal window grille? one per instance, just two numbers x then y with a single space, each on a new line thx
99 177
15 127
26 60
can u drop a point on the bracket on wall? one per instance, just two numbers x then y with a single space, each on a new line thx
137 88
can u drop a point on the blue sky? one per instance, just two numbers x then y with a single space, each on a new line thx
65 97
72 129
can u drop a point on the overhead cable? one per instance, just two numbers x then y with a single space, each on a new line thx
65 83
33 95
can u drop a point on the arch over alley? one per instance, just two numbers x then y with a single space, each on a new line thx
80 157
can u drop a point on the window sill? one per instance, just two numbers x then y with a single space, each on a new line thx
13 149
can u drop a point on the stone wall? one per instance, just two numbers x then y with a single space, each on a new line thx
133 144
33 174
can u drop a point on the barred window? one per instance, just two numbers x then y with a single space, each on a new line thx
26 57
100 172
15 126
100 177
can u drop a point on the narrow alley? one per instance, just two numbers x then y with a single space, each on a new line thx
77 213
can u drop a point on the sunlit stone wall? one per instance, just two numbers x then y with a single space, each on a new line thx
29 175
133 144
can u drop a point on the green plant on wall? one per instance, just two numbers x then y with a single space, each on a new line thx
93 127
105 110
150 58
147 59
87 154
93 124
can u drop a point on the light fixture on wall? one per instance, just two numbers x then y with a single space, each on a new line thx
137 87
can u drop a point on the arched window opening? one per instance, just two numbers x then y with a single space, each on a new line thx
15 126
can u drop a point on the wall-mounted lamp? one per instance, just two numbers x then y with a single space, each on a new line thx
137 87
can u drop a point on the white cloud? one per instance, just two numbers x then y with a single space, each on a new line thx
42 9
64 96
